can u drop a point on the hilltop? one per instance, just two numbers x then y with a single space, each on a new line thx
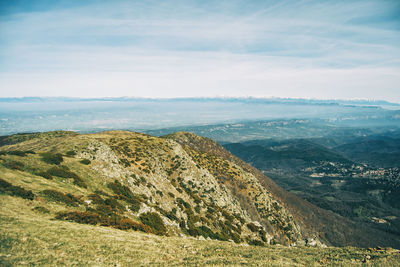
180 185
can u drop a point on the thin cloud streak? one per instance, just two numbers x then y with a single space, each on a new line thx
167 48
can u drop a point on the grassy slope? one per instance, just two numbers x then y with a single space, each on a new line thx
28 238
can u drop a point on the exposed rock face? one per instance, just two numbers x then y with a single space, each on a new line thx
195 186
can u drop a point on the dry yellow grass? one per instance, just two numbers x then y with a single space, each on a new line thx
29 238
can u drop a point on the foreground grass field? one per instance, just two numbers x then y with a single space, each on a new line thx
29 238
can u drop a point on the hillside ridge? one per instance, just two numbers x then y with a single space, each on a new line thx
178 185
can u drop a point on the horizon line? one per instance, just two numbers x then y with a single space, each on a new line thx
110 98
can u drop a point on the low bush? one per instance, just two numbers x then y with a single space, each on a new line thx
94 218
45 175
56 196
96 198
51 158
13 165
70 153
252 227
86 217
65 173
255 242
123 192
114 204
17 153
154 220
85 161
12 190
61 172
41 209
79 182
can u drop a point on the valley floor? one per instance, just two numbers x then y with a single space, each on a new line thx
29 238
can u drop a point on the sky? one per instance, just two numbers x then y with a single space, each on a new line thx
305 49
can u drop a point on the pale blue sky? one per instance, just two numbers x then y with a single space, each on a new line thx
311 49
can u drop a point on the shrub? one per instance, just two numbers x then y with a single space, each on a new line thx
154 220
114 204
17 153
86 217
96 198
51 158
65 173
125 162
45 175
61 172
85 161
121 190
13 165
79 182
125 193
126 223
252 227
94 218
41 209
70 153
12 190
255 242
55 196
135 207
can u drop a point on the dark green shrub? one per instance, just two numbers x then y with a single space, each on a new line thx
252 227
41 209
255 242
55 196
30 152
206 232
114 204
103 209
12 190
135 207
85 161
126 223
262 234
154 220
51 158
159 192
70 153
61 172
197 208
227 215
100 192
171 194
79 182
96 199
182 224
193 231
94 218
65 173
45 175
17 153
13 165
125 162
124 193
121 190
86 217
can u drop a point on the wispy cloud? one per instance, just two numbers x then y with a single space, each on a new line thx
186 48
